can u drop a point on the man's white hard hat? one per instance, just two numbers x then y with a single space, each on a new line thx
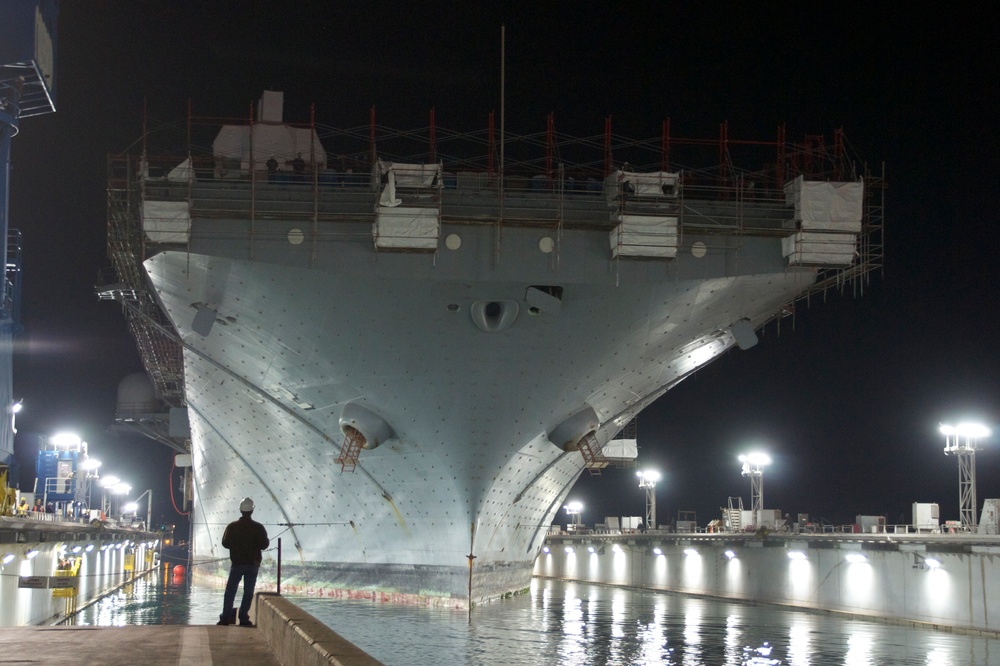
246 505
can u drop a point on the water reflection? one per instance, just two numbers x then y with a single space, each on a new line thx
571 623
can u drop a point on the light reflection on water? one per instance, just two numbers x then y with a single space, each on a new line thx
570 623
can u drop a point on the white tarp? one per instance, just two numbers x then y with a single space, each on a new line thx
621 449
411 175
818 248
406 228
829 206
182 173
166 221
654 184
406 175
644 236
280 141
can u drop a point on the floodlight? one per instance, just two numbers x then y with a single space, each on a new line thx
31 553
591 549
756 458
545 549
730 555
569 549
89 464
855 558
574 507
66 440
131 507
796 555
932 563
657 551
109 481
7 558
649 476
690 551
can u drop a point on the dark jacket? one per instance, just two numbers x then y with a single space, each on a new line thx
245 538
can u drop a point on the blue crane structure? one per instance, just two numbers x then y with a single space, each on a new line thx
27 88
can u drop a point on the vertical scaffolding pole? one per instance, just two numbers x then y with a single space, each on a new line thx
10 110
665 146
549 144
433 140
607 146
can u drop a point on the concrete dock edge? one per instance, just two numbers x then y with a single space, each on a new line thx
299 639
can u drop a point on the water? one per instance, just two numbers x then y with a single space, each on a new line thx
571 623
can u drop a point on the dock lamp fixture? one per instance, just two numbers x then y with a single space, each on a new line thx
132 508
753 466
575 511
648 480
962 441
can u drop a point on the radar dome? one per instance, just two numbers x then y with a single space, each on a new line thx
136 395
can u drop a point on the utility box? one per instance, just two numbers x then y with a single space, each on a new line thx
772 519
685 526
870 524
926 517
630 523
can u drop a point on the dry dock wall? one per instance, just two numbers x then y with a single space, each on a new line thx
950 584
299 639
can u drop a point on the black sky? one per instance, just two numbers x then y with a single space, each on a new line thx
847 398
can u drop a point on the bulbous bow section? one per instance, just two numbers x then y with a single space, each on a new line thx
568 434
355 419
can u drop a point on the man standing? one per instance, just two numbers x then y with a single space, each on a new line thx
244 538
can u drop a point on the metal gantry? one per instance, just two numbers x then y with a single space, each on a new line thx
963 441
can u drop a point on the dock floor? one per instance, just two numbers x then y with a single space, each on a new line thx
130 645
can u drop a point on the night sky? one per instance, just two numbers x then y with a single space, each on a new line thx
847 398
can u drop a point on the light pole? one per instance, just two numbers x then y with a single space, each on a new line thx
106 484
88 467
133 506
647 480
753 466
574 511
962 441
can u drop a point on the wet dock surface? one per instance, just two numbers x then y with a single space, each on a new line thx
129 645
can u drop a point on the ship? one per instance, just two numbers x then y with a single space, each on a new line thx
407 346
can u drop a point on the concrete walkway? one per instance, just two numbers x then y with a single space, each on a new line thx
131 645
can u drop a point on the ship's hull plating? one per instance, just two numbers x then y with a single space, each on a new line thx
453 507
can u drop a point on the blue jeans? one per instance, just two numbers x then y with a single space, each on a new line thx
248 574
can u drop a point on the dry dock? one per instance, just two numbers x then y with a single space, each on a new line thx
942 581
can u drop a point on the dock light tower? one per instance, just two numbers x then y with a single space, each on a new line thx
962 441
647 480
753 466
574 510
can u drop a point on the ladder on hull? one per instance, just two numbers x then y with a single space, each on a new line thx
350 450
593 456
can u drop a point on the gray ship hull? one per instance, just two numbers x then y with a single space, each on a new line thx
454 506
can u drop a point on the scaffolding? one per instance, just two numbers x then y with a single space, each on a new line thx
547 180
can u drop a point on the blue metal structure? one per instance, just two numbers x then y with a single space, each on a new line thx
27 88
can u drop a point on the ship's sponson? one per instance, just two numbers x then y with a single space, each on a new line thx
471 358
